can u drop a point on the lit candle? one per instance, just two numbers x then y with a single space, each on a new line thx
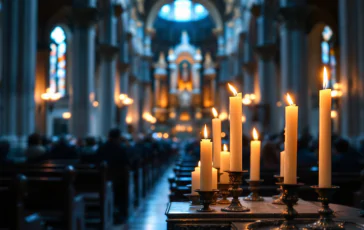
214 178
255 157
196 179
325 135
225 165
290 160
282 164
206 163
216 138
236 131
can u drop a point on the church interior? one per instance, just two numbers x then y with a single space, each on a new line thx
181 114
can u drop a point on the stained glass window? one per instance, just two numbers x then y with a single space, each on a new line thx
328 53
57 61
183 11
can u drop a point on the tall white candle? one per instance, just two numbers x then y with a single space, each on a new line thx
282 164
216 138
196 179
236 131
325 135
206 163
290 162
214 178
255 157
225 165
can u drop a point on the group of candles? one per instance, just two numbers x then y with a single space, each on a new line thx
205 175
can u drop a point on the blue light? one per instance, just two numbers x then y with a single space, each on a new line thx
183 11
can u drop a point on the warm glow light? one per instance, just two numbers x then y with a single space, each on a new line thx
66 115
223 134
165 135
223 116
214 112
128 101
333 113
336 86
289 100
199 163
159 135
243 119
129 120
279 104
205 132
252 97
95 104
225 148
122 97
50 95
255 134
246 100
232 89
325 82
334 93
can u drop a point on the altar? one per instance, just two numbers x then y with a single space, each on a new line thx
183 216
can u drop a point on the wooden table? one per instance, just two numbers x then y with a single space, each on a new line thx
183 216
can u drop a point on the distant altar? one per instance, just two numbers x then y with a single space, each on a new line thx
184 88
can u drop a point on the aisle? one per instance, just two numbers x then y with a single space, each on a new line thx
151 215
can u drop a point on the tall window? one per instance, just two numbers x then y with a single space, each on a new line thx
328 53
57 61
183 11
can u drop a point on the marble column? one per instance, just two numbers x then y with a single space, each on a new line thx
349 50
27 64
108 51
196 72
8 86
360 27
293 53
83 67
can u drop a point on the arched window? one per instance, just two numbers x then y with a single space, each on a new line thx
183 11
328 53
57 61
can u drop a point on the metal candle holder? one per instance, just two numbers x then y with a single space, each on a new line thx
224 191
254 188
326 214
194 198
278 199
206 198
236 179
290 198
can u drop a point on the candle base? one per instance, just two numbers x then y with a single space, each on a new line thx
236 179
194 198
224 191
254 188
326 214
206 198
290 198
278 198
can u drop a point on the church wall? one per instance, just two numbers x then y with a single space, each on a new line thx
41 84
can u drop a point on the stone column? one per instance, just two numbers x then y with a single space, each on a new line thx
83 67
349 50
108 51
196 72
360 27
27 64
124 89
173 71
293 55
8 84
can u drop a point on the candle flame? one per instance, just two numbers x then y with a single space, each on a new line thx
205 132
233 90
325 82
199 163
255 134
214 112
289 99
225 148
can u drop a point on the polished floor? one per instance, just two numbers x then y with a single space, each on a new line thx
151 215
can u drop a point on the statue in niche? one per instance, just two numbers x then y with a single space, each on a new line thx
185 99
184 38
185 70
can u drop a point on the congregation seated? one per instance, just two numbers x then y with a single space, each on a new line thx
4 150
90 147
63 150
35 152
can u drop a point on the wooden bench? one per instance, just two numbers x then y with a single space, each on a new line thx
12 213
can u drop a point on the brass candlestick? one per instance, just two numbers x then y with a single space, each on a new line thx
278 199
290 198
254 188
224 191
206 198
194 198
236 179
326 214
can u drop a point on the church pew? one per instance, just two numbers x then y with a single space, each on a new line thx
90 181
54 198
12 213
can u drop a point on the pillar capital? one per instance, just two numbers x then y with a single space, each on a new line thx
109 52
265 51
294 17
85 17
